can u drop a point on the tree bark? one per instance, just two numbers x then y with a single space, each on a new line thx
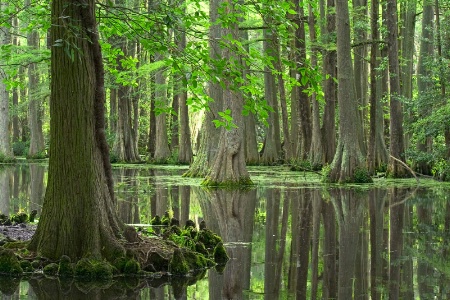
330 86
5 144
209 137
349 156
78 216
229 166
424 88
397 147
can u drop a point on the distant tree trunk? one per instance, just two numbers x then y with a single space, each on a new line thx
270 153
113 110
209 138
349 155
316 151
407 47
125 146
397 147
37 145
162 151
250 142
80 180
229 166
174 116
360 65
426 52
371 167
330 86
152 124
304 106
348 205
5 195
185 145
15 92
5 144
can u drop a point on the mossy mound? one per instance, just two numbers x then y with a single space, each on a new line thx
9 263
178 264
90 269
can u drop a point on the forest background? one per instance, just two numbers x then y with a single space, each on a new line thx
353 86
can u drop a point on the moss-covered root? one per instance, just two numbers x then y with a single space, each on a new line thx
9 264
178 264
89 269
220 254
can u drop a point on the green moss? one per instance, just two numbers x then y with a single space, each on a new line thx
65 268
16 245
26 266
220 254
93 269
132 267
197 261
208 238
156 220
51 269
178 264
36 264
200 248
9 264
230 183
20 217
120 263
361 175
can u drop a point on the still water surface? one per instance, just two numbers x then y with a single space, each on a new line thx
288 238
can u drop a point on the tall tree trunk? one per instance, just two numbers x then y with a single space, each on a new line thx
426 52
407 48
79 181
270 153
316 151
330 86
5 144
16 90
360 65
209 136
349 159
304 106
185 145
229 166
397 147
34 110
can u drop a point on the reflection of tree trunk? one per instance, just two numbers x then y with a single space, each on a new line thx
5 193
128 208
362 267
316 208
407 291
376 211
396 217
424 270
230 213
348 205
36 186
329 251
185 203
304 236
274 251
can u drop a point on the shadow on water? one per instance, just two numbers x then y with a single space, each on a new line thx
285 239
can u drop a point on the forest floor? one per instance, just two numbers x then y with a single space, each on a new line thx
16 232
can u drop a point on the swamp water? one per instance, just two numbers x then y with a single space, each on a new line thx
290 237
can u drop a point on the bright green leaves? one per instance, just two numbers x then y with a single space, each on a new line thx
226 120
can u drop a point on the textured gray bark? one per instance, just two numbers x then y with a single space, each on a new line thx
5 145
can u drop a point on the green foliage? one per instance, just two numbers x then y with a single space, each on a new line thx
9 264
6 159
21 148
361 175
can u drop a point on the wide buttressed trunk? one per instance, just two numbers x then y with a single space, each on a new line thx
78 216
348 160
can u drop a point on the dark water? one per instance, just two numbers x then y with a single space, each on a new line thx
288 238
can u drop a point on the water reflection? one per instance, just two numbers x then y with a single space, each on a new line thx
285 242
